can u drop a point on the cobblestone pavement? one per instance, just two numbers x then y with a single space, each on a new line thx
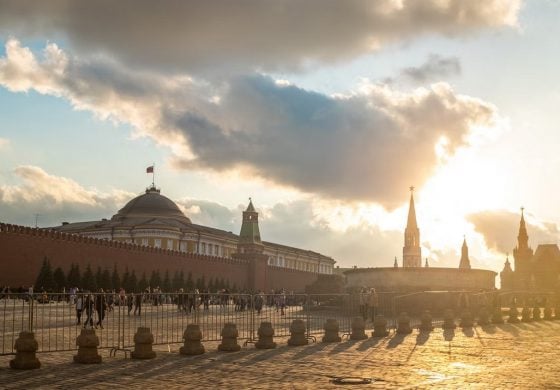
519 356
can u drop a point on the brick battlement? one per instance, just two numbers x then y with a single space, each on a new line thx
23 249
6 228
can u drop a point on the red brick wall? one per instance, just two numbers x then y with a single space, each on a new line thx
289 279
22 250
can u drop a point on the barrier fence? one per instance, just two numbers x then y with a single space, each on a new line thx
56 319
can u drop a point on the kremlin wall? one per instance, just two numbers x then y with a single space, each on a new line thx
24 248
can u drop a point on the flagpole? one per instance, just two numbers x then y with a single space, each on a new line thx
154 175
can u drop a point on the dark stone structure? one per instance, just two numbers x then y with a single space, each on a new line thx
26 348
192 337
143 340
87 343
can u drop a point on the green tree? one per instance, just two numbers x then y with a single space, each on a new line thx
133 283
126 280
201 283
166 284
181 280
88 280
74 277
143 283
98 278
59 279
105 280
45 279
189 284
155 279
115 279
175 283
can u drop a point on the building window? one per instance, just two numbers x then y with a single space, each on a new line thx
203 248
145 241
209 249
169 244
216 250
183 247
157 243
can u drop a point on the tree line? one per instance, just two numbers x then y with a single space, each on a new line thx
57 280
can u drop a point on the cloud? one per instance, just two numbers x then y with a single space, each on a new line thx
271 35
365 145
55 199
435 68
500 228
4 142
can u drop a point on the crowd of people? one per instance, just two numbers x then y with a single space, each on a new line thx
91 307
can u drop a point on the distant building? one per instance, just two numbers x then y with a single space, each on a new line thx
413 277
539 270
152 219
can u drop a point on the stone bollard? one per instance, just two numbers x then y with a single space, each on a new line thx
143 340
331 331
404 324
526 315
266 334
192 344
379 326
358 329
466 319
229 338
548 313
297 333
448 320
87 343
26 346
537 313
483 318
513 315
426 321
497 316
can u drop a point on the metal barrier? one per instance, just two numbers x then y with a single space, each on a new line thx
56 319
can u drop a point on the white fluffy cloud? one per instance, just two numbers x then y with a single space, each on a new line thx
4 142
365 145
55 198
203 36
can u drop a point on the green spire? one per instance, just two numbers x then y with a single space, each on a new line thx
250 236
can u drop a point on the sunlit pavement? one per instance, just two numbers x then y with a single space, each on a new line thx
519 356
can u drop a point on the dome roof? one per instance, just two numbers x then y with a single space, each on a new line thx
151 204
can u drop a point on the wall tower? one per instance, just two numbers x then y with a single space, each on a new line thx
412 253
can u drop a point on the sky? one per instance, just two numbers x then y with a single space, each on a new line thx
324 112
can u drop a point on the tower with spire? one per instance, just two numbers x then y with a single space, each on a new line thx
250 236
523 253
412 253
465 262
506 276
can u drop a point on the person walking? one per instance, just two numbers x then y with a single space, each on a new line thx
79 307
100 307
138 304
130 302
88 306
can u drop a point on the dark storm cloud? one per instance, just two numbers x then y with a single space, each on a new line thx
236 35
362 146
500 229
368 146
